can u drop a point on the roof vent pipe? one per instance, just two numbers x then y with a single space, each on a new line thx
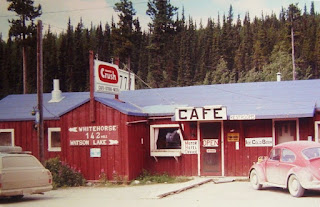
278 76
56 93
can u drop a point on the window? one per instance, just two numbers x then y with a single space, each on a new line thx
54 139
275 154
287 156
166 140
311 153
6 137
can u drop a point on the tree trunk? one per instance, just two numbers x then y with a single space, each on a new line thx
24 65
292 53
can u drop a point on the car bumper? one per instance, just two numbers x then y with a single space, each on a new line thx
25 191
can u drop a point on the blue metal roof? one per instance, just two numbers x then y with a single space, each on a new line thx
285 99
266 100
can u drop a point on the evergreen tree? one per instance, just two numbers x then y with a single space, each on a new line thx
23 29
50 59
123 35
162 29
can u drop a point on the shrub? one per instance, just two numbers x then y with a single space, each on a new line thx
63 175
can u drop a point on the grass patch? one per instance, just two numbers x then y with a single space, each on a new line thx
148 178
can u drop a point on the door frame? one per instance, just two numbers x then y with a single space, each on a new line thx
221 141
278 120
316 131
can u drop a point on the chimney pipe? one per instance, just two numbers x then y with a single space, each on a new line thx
56 93
278 77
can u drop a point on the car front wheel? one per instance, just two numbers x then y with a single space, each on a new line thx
295 187
254 180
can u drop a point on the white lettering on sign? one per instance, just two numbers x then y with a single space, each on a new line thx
259 142
106 77
190 147
79 142
211 151
243 117
201 113
108 74
210 143
94 135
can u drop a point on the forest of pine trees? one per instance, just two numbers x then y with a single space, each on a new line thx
175 51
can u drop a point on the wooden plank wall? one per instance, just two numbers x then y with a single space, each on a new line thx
306 128
25 136
122 161
238 162
186 165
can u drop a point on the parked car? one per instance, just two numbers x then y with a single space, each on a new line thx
22 174
292 165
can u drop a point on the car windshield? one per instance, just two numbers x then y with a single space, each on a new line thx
311 153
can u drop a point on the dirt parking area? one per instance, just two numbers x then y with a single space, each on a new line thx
209 194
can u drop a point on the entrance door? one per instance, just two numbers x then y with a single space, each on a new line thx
285 131
210 158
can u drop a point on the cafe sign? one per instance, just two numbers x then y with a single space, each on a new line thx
205 113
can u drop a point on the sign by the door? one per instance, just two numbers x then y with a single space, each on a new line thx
210 143
233 137
211 151
259 142
191 147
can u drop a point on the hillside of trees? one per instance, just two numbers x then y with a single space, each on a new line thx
175 51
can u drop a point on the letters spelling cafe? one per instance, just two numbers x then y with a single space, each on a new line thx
205 130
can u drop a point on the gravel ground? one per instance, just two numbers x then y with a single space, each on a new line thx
209 194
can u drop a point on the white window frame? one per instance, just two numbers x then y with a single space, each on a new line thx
50 148
154 152
12 135
316 130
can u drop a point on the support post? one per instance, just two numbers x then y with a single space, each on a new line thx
40 131
92 102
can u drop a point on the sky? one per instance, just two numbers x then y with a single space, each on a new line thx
57 12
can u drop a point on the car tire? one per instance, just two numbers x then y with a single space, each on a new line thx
17 197
254 180
294 186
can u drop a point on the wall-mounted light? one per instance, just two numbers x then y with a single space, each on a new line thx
34 111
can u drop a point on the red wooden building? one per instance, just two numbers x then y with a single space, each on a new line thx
209 130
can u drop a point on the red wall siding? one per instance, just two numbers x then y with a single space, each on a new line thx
26 136
306 127
238 162
124 160
186 165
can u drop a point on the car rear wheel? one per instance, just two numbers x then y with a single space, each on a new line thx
17 197
254 180
295 187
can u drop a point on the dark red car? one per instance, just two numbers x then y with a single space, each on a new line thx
292 165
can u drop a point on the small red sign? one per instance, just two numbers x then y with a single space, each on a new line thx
108 74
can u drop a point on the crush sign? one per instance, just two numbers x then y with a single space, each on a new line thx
106 77
93 135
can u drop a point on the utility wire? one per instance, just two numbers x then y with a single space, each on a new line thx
71 10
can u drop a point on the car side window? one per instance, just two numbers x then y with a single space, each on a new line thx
275 154
287 156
